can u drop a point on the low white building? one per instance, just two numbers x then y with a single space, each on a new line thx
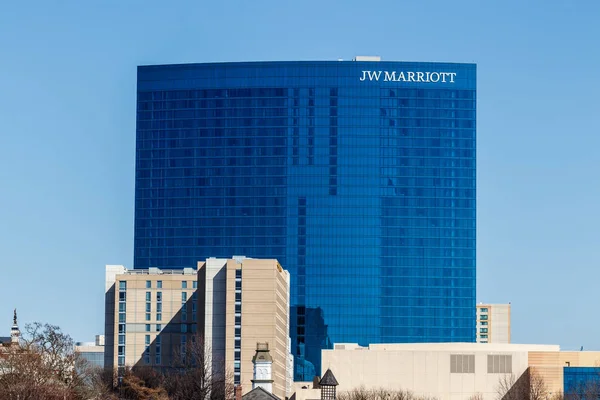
446 371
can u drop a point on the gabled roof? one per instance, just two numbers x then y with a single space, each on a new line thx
259 393
328 379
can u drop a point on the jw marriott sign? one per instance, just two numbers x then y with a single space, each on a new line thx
408 76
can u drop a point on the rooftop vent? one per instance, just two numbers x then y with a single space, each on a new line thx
367 58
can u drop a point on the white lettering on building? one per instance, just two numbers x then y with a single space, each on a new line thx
408 76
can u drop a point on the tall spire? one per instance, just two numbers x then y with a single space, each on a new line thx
15 333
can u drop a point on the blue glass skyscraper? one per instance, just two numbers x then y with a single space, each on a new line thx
359 177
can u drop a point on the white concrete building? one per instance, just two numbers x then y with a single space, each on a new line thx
446 371
493 323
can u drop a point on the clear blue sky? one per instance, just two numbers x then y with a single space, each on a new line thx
67 134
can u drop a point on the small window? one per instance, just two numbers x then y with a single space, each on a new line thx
147 327
483 317
158 296
148 296
147 317
183 328
157 360
159 307
122 307
147 340
195 296
121 361
122 339
484 323
483 310
483 330
122 317
122 296
195 285
148 284
159 317
238 273
183 297
121 328
183 317
158 327
193 317
184 284
159 284
122 285
148 307
121 350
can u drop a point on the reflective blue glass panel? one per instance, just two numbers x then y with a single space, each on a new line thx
359 177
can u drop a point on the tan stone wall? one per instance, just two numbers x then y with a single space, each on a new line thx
264 318
136 315
549 365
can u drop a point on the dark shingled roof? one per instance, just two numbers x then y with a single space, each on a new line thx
259 394
4 339
328 379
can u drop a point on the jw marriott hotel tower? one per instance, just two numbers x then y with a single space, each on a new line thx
357 176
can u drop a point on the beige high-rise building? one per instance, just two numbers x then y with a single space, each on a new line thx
150 315
242 302
493 323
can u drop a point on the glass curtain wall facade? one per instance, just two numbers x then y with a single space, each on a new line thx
359 177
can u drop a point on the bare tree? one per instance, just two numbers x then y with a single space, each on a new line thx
141 384
538 390
23 376
529 386
556 396
43 366
476 396
506 389
98 383
194 375
584 391
379 394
